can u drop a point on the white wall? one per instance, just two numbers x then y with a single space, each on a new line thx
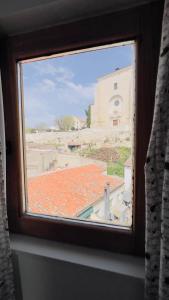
128 178
103 111
42 278
46 279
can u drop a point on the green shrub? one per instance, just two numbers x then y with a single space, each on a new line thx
124 154
115 168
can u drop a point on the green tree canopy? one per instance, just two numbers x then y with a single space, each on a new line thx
65 123
88 116
41 126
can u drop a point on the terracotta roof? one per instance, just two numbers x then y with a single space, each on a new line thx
68 192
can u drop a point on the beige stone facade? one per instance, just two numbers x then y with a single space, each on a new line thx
113 103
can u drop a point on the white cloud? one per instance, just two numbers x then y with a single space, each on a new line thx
86 92
55 93
47 84
47 68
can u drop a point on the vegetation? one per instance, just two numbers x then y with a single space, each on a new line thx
124 153
30 130
88 116
65 123
113 154
89 152
115 158
117 168
41 126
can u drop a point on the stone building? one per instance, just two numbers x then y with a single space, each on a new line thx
113 103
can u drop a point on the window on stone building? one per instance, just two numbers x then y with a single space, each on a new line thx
116 102
115 122
115 86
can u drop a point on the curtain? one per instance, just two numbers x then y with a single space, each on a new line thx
6 271
157 181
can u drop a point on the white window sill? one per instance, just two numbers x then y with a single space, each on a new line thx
98 259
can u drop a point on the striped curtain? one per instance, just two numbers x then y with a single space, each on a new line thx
6 272
157 181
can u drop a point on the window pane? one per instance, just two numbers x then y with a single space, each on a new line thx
78 134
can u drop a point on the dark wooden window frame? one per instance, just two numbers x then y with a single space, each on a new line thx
142 24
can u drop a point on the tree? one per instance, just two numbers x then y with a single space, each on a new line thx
41 126
65 123
30 130
88 116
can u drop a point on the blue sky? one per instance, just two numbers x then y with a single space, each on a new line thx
65 85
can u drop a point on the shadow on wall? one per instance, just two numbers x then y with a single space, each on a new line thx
39 278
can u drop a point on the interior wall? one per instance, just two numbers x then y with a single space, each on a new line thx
18 16
40 278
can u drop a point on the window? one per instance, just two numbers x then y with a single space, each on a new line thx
115 86
67 166
121 27
116 102
115 122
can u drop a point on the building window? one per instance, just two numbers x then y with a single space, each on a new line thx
115 86
115 122
116 102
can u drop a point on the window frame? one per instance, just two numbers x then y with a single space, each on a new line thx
133 24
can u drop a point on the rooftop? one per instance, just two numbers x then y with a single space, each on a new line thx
116 71
68 192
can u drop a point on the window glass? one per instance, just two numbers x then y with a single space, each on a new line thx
115 86
77 146
115 122
116 103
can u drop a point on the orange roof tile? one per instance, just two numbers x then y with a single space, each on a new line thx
68 192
